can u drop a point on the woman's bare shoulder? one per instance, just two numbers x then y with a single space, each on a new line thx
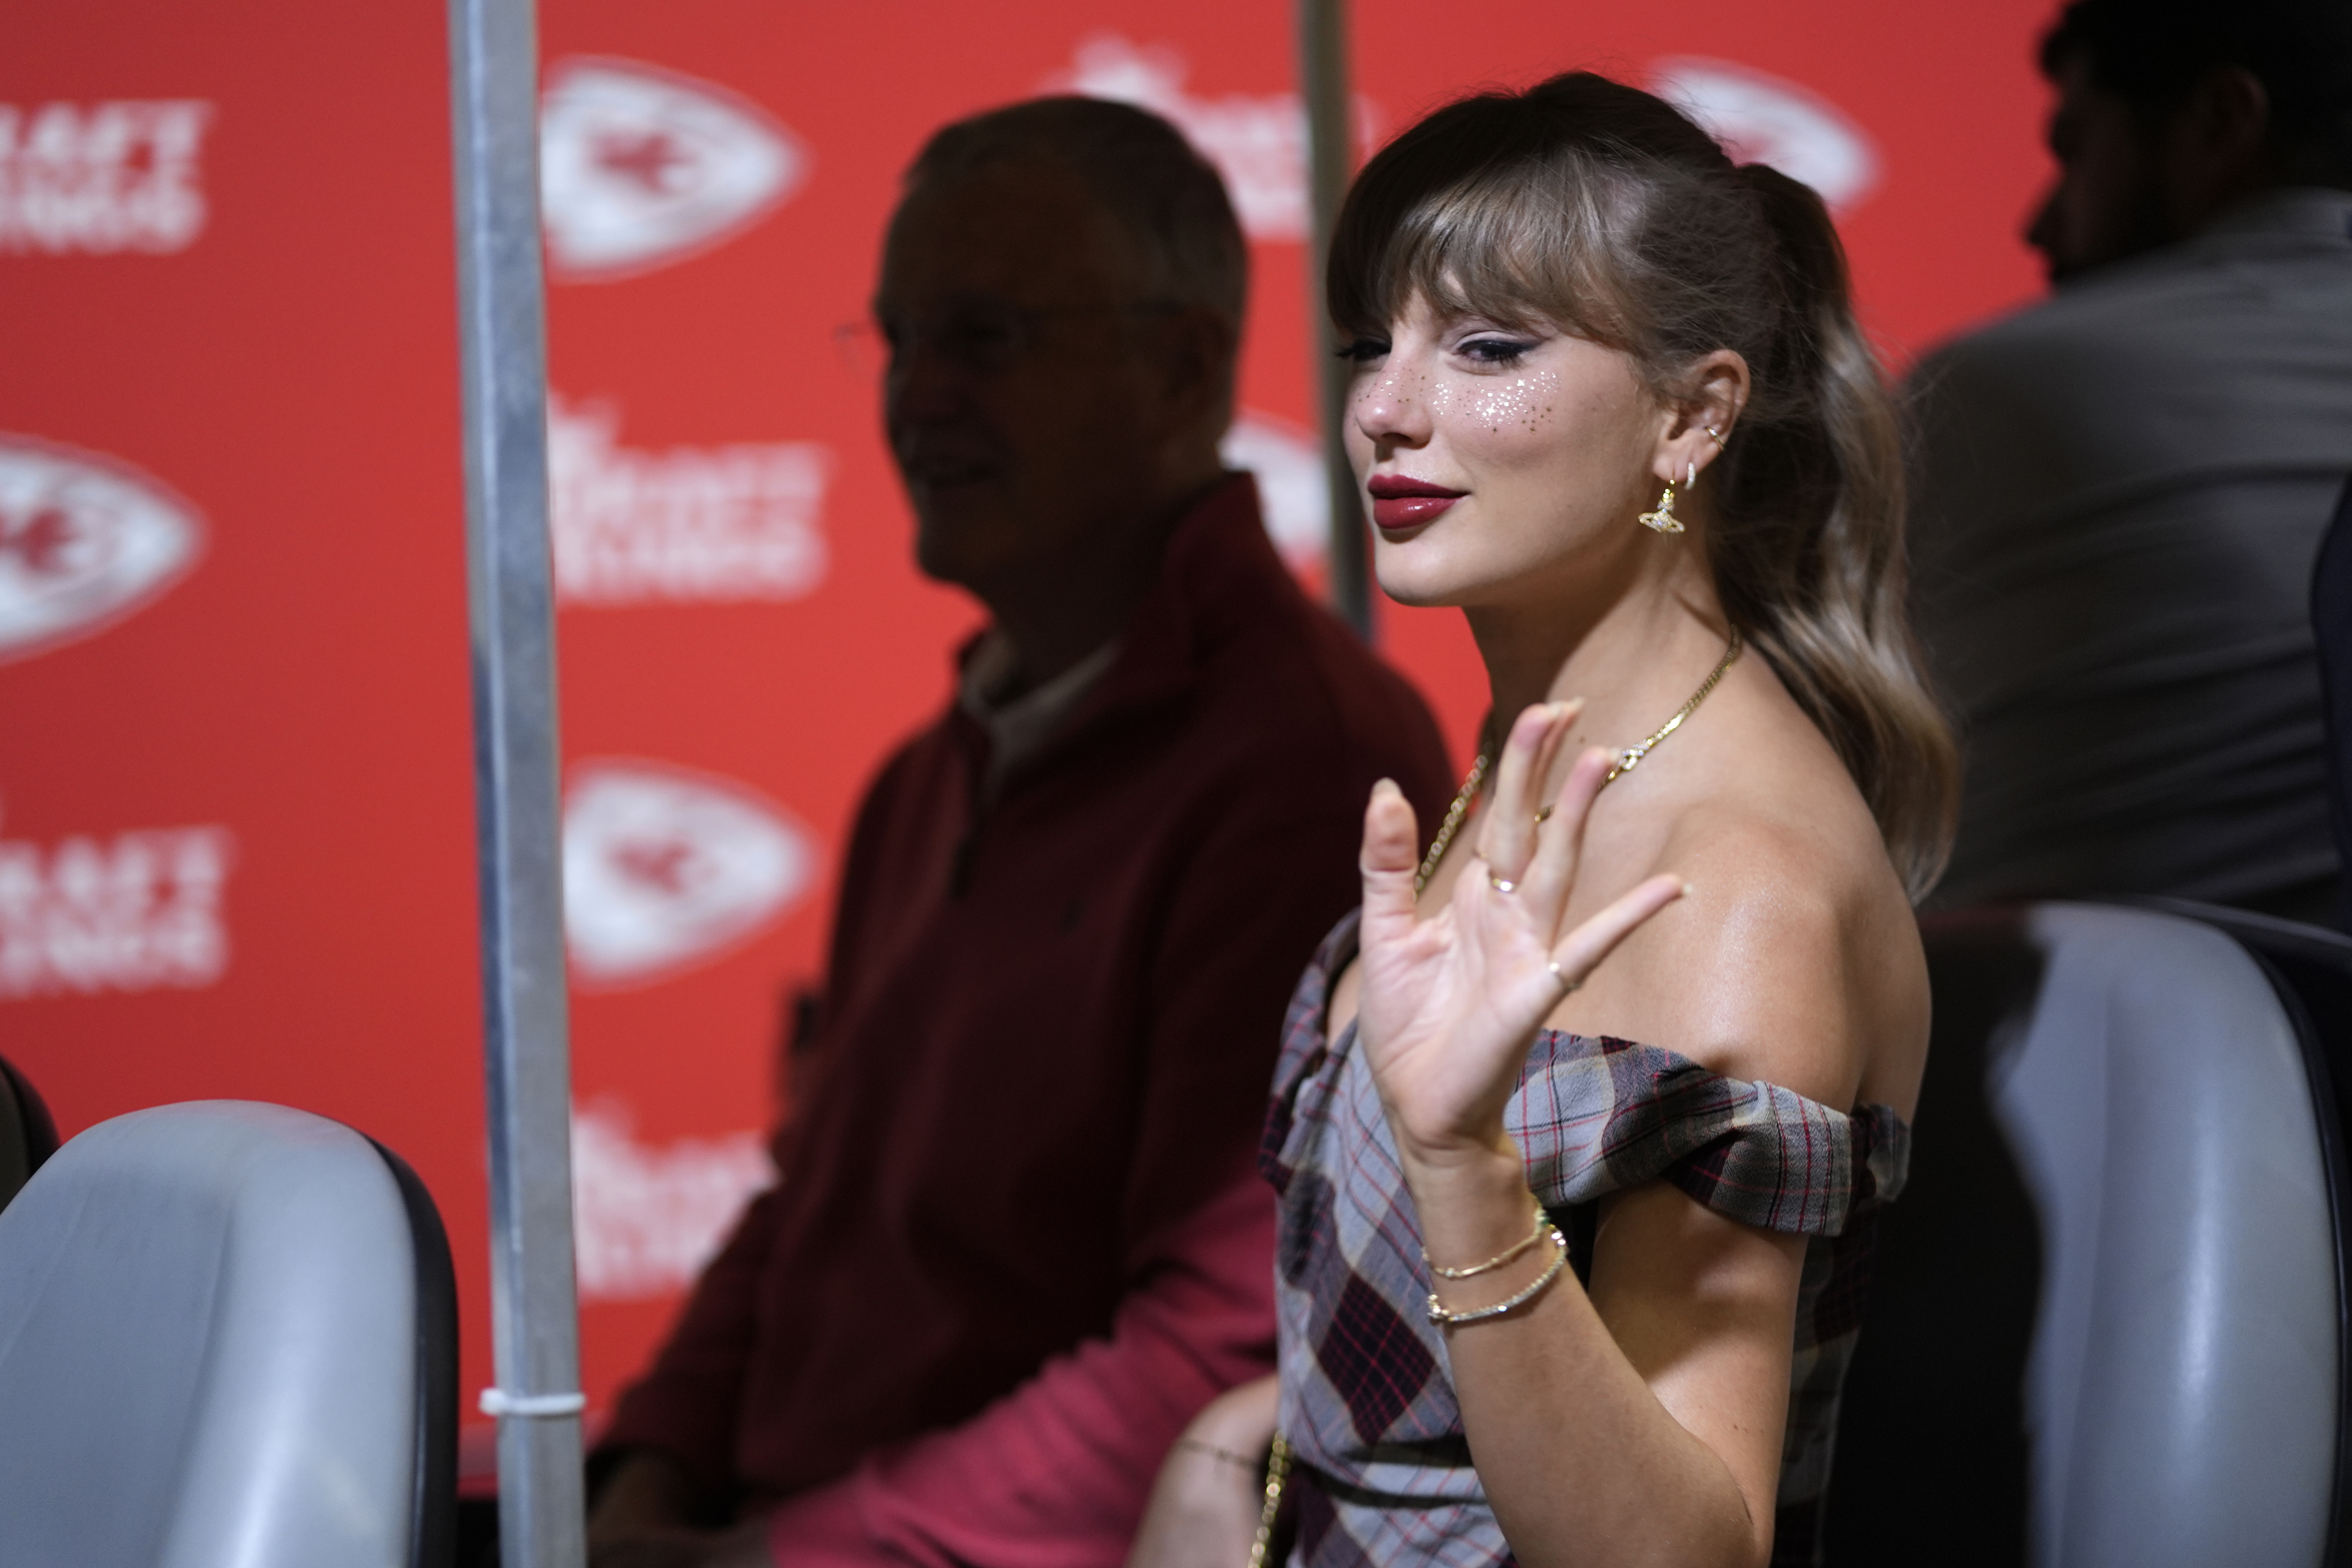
1793 957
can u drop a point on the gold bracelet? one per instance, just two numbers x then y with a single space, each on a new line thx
1227 1455
1445 1320
1543 1223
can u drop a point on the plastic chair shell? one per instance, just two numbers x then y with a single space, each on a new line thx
2107 1332
209 1341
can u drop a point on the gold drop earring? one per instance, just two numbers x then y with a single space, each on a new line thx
1663 519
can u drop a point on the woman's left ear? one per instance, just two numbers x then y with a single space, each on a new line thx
1704 416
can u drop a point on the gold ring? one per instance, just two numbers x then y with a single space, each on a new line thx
1501 884
1543 816
1564 980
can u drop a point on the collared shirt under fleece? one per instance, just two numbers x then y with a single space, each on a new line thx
1018 1241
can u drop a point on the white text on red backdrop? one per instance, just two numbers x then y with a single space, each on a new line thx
139 911
714 523
647 1217
102 178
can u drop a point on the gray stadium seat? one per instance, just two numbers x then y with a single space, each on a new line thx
27 1136
2313 963
2106 1323
227 1337
2331 627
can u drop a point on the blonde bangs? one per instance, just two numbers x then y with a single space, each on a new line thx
1518 245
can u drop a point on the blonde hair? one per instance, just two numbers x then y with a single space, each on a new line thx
1600 208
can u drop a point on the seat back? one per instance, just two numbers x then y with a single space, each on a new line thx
2331 626
27 1136
220 1342
2105 1319
2315 964
2311 968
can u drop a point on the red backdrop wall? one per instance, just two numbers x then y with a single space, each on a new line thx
236 836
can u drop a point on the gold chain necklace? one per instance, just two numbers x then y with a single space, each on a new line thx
1445 829
1627 761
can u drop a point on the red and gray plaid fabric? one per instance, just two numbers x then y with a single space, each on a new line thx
1383 1475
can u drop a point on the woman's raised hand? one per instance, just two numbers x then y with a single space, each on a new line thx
1450 1005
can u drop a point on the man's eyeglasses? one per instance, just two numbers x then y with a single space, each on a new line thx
978 340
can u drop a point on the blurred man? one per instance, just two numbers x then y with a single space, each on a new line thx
2120 492
1018 1240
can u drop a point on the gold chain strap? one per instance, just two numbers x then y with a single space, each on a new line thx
1277 1474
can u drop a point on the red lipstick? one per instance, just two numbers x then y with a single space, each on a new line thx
1399 503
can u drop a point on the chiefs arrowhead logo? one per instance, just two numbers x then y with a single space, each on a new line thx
640 167
664 869
1763 119
84 542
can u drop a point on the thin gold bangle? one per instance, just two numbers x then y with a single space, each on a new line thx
1543 1223
1227 1455
1445 1320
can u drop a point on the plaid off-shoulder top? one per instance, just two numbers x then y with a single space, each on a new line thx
1381 1472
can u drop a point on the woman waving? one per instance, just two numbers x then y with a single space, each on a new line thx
1571 1251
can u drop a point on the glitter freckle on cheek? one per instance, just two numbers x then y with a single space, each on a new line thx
1389 391
1525 401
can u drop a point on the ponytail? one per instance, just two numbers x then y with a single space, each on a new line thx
1809 550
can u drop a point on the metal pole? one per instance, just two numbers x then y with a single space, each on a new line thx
494 93
1330 161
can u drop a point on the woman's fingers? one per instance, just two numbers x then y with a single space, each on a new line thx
1560 842
1555 737
1502 843
1506 837
1389 858
1588 945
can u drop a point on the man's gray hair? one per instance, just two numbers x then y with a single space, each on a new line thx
1161 193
